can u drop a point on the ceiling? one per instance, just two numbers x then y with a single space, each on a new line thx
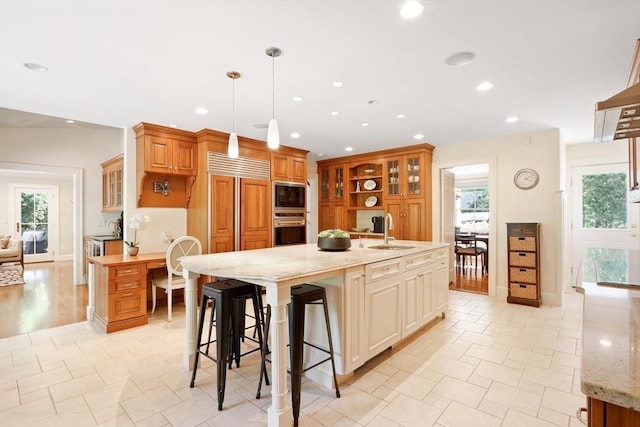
117 63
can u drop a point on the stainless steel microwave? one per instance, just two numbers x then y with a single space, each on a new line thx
289 196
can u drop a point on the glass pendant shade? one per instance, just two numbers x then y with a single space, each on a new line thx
233 150
273 134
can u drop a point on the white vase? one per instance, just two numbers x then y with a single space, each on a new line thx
132 250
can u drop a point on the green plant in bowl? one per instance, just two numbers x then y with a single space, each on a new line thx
334 240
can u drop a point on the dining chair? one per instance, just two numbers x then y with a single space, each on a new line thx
467 247
172 280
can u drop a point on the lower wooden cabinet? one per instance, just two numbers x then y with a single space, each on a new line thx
604 414
121 295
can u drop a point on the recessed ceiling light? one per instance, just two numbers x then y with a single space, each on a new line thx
298 98
411 9
460 58
400 116
320 154
418 136
295 135
337 84
71 121
173 125
348 149
364 124
484 86
334 113
35 67
260 125
201 110
372 101
512 119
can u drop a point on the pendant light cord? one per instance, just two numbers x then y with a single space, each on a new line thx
233 106
273 86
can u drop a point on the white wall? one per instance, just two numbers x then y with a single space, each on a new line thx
541 151
75 148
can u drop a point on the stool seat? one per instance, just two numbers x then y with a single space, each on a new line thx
226 314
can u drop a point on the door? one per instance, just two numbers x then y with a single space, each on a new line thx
448 183
602 215
35 219
222 213
255 214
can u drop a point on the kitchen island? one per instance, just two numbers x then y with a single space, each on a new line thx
377 297
610 376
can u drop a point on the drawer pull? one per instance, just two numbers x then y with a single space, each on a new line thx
127 271
524 270
523 286
522 254
521 238
130 294
385 268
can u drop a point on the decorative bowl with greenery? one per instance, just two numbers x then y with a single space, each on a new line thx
334 240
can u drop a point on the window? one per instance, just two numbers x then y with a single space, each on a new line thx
604 201
472 209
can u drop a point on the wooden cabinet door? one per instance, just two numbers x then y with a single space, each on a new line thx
298 168
382 314
279 167
413 220
412 282
184 158
222 212
339 216
158 155
395 208
332 215
255 214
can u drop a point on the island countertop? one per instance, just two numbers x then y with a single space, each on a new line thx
611 329
283 263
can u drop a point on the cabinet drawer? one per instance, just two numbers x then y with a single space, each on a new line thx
126 284
418 260
522 259
522 243
126 305
522 274
383 269
523 290
156 264
127 270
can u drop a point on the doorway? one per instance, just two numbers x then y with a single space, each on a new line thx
469 209
602 215
34 215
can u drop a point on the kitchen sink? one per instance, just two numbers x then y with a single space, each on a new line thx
391 247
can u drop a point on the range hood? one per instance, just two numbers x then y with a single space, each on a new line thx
619 116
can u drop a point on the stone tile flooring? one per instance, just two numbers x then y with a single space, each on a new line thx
487 364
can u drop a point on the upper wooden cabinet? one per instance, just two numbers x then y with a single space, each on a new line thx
166 165
288 168
112 184
172 156
396 181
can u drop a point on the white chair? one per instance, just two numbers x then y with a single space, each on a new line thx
182 246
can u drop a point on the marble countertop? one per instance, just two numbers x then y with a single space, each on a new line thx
283 263
611 328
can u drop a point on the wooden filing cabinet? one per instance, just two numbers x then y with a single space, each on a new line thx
524 263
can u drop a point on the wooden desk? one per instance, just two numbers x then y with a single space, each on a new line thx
118 289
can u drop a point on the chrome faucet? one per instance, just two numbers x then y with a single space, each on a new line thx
388 225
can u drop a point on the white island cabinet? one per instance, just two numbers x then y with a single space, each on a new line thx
376 298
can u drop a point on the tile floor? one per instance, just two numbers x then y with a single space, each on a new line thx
487 364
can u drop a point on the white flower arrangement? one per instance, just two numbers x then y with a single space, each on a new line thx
136 223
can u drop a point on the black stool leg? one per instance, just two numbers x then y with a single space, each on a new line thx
203 307
264 351
333 364
296 344
222 344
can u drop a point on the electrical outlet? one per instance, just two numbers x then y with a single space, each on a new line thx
165 236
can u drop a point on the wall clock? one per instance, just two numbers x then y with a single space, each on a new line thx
526 179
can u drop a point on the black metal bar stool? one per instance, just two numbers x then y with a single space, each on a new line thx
301 296
227 296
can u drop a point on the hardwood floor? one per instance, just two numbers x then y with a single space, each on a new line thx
47 299
471 280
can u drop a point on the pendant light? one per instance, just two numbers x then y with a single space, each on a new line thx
233 150
273 134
